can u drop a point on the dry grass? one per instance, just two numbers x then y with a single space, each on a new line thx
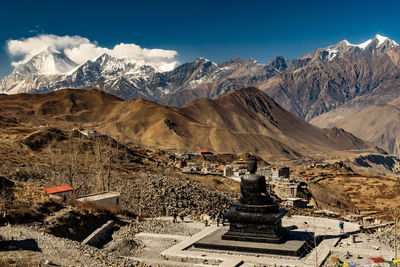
350 193
25 213
92 208
6 262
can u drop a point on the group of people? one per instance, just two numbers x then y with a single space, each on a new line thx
206 219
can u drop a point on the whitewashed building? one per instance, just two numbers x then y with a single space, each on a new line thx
103 199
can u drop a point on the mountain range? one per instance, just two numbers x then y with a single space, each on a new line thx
244 120
52 70
339 76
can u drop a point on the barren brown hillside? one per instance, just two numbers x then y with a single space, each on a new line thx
59 107
246 120
378 124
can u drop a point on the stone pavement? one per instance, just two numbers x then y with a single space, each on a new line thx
177 237
321 226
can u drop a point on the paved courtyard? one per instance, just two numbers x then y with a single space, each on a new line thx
178 251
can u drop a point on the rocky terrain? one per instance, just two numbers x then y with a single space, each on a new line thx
48 248
49 156
349 188
377 122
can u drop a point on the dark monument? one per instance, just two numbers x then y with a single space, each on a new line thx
255 224
256 218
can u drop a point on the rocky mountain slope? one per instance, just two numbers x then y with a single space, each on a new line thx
245 120
378 123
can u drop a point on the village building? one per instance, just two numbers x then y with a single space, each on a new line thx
354 217
90 133
58 191
241 164
204 152
287 188
228 171
239 172
182 163
104 199
280 173
296 202
266 171
188 170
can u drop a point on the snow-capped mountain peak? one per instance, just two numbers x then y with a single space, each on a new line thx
377 44
47 62
381 39
377 41
127 77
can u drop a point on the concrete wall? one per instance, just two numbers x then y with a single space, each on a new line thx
108 202
103 201
99 234
60 194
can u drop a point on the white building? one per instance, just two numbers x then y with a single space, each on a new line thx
103 199
90 133
228 171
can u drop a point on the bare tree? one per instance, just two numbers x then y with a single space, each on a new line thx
104 160
73 165
395 216
5 198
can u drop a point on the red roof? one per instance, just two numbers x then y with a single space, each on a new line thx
203 151
57 189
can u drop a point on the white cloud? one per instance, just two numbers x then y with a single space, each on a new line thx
81 49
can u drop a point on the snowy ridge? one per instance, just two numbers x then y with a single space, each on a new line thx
377 44
381 39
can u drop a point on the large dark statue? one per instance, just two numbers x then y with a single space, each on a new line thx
256 218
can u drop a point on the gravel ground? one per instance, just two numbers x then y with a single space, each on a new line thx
365 247
150 195
66 252
59 251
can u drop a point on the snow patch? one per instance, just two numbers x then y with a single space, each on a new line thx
365 44
332 53
199 81
381 39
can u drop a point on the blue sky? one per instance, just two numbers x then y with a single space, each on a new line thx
217 30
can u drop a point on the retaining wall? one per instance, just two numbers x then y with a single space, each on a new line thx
99 234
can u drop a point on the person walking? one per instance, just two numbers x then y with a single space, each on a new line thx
175 217
341 227
218 220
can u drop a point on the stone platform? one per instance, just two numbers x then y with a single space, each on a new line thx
293 245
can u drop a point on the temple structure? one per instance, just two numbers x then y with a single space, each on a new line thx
256 218
255 224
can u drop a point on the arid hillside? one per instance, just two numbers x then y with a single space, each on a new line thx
378 123
246 120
